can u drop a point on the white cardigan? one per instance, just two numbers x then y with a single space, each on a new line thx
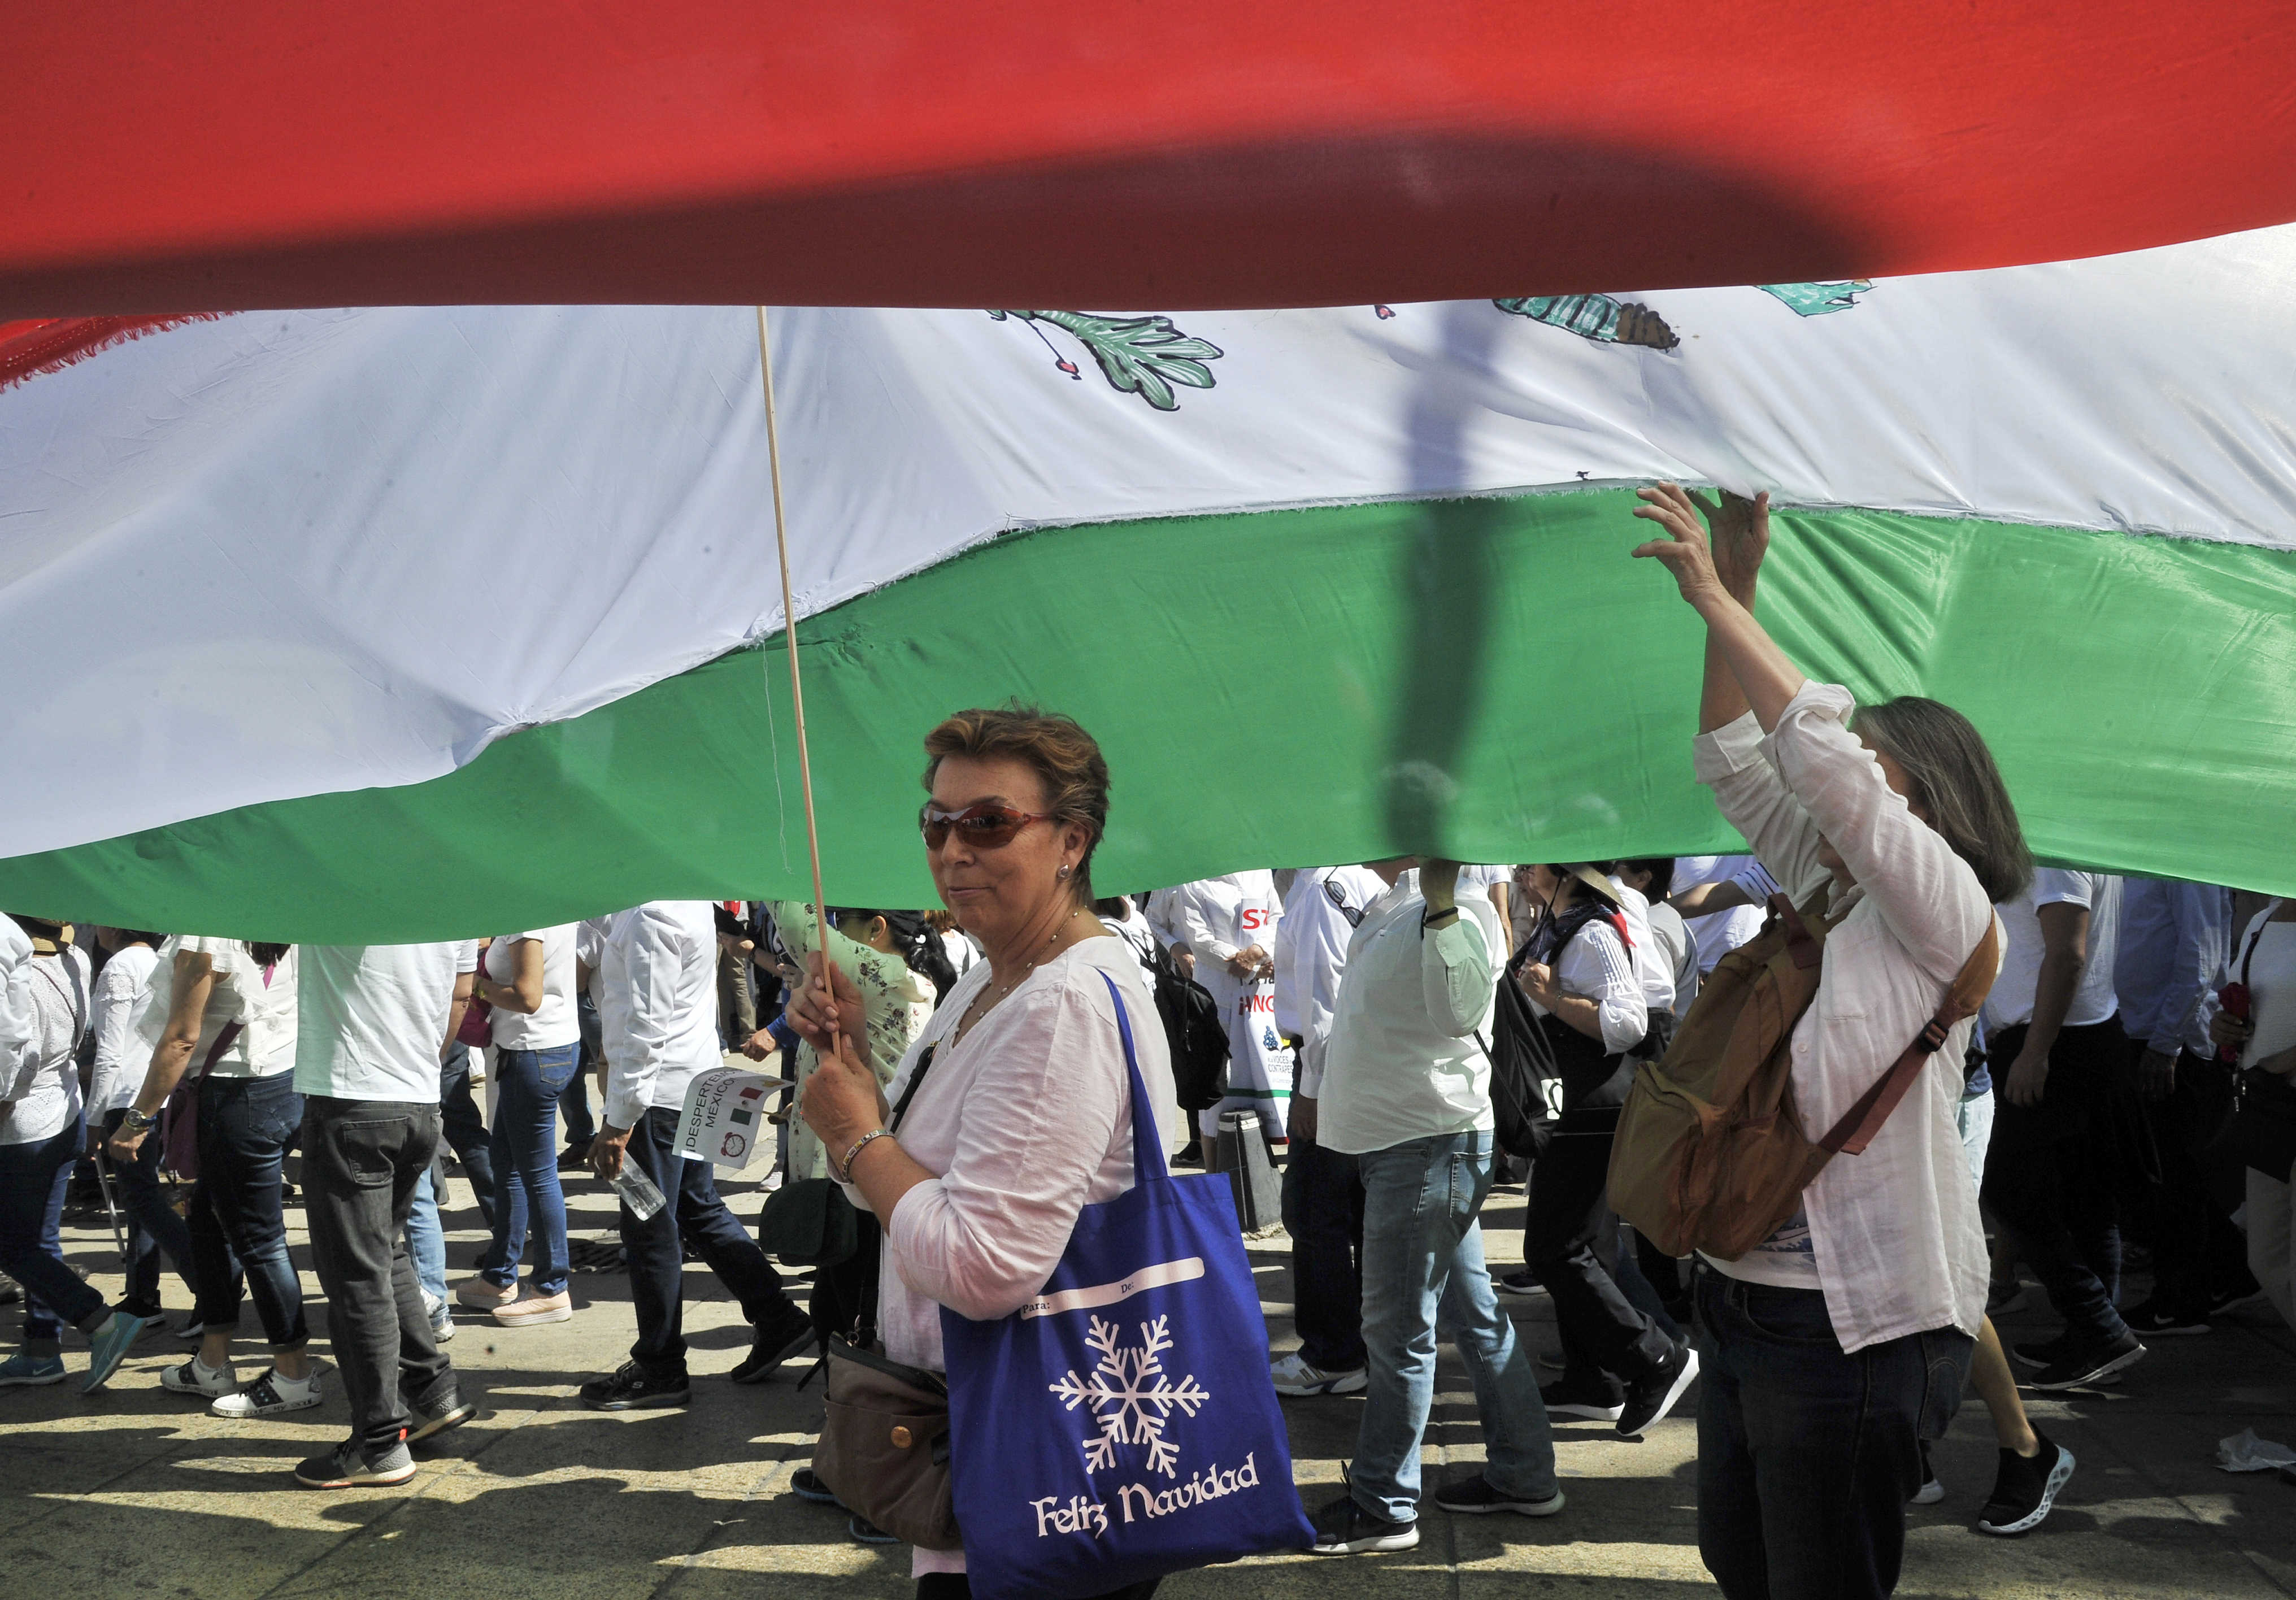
1895 1231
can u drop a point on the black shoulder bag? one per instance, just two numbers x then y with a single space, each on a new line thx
2262 1132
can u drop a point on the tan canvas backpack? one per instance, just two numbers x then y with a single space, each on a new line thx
1710 1154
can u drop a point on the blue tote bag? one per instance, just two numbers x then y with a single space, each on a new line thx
1122 1425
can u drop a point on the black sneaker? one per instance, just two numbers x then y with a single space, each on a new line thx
1595 1404
806 1484
1344 1527
866 1532
444 1411
2025 1489
2153 1318
2044 1352
2090 1363
1519 1283
351 1465
2226 1299
1475 1496
629 1388
786 1332
1650 1399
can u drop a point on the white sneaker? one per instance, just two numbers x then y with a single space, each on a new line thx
194 1377
1293 1376
270 1395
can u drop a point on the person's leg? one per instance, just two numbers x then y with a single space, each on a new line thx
221 1284
140 1295
1570 1217
498 1262
1518 1440
425 1374
720 1240
542 1078
574 1101
2022 1185
352 1152
244 1125
1996 1386
1641 1293
426 1238
1833 1438
1729 1498
2270 1239
1320 1212
655 1252
1663 1273
33 1178
1408 1241
465 1130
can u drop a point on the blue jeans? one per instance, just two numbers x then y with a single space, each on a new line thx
426 1240
239 1233
153 1224
464 1127
574 1104
32 1181
1423 1267
525 1160
1807 1455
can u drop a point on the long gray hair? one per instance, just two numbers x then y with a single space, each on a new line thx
1956 785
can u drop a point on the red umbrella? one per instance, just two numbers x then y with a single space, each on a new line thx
1192 153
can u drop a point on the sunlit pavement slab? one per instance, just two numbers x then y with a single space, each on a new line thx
136 1491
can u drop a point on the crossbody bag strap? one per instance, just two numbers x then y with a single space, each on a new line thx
1863 1120
864 1321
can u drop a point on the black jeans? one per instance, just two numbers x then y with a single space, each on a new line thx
656 1248
574 1101
153 1224
239 1233
1323 1212
1807 1455
2196 1251
464 1127
361 1161
2056 1200
1571 1243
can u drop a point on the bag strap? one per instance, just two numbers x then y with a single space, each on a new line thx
2248 956
1863 1120
77 999
1801 944
1147 1152
229 1032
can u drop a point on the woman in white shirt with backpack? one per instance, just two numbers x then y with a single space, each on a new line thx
1830 1349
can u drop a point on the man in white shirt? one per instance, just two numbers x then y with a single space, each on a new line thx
2174 939
1406 1090
1322 1191
657 1012
372 1022
2057 1053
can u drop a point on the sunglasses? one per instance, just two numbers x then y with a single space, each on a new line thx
987 827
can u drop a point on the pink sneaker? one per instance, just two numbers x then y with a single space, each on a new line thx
529 1308
480 1295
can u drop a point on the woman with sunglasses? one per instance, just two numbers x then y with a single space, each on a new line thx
1021 1112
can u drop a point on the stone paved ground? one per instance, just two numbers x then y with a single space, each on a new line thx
137 1492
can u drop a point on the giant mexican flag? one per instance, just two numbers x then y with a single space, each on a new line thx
395 624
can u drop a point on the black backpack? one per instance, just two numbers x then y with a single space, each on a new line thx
1521 1061
1194 1031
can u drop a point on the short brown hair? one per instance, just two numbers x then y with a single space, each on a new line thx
1955 781
1066 758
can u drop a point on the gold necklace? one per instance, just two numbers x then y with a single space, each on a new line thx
977 1010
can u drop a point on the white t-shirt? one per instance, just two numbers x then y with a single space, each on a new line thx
2010 1003
2271 976
123 993
263 1005
553 1025
46 1086
1724 930
372 1019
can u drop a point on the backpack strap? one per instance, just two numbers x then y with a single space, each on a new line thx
1863 1120
1801 944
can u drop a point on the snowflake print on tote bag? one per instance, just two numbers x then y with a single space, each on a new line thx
1122 1425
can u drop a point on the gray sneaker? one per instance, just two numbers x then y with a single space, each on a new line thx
350 1465
447 1410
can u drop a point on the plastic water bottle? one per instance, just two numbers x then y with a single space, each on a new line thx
638 1191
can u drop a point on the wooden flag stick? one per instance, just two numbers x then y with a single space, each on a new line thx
788 633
